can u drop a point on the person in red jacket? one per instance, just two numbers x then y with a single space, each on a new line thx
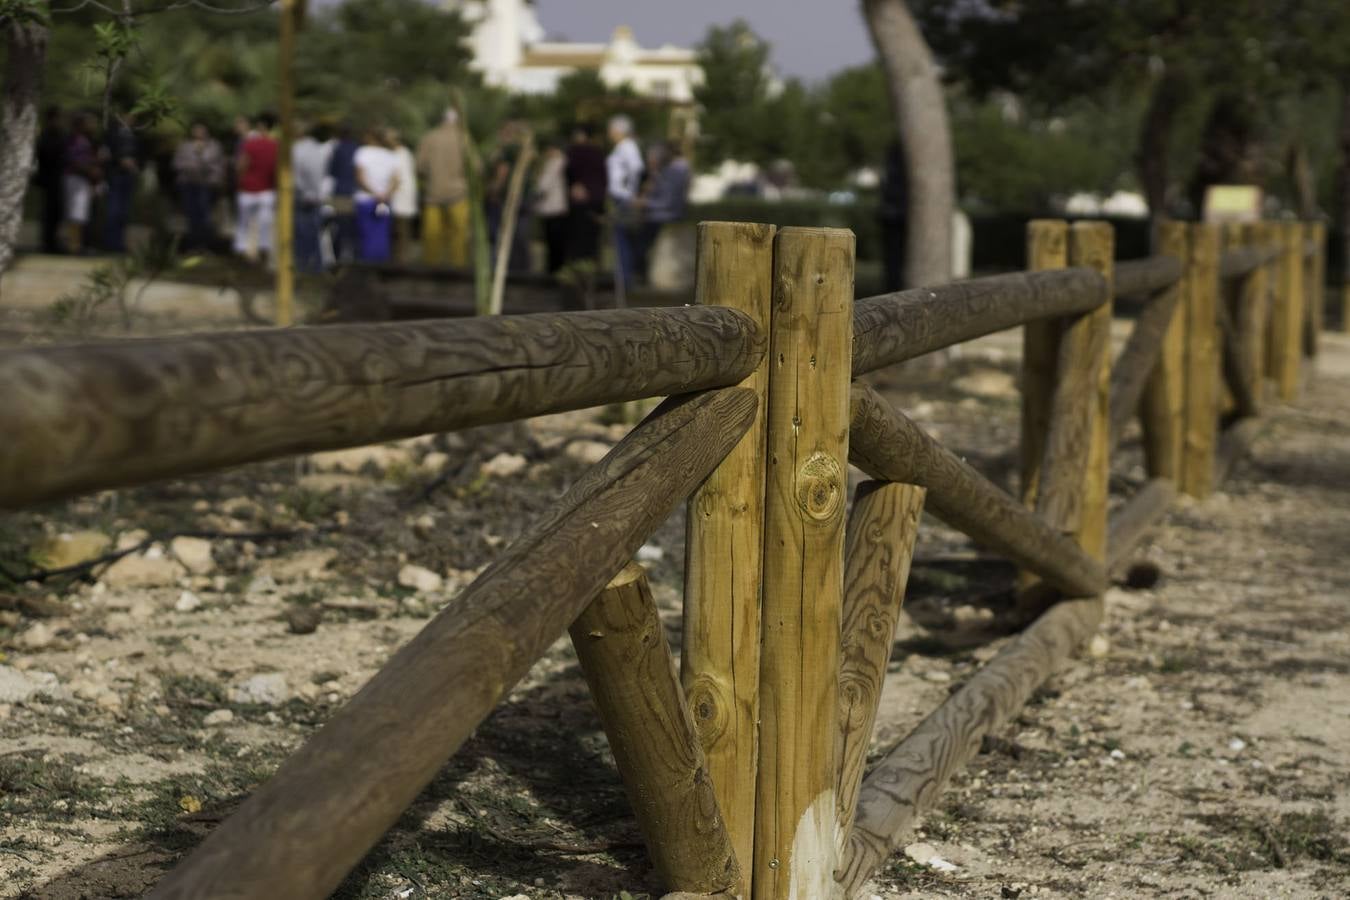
256 168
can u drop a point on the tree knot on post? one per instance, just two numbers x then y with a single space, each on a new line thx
820 488
709 704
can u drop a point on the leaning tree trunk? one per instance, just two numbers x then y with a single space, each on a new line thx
25 54
1155 141
921 117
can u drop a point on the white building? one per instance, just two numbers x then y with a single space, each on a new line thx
510 51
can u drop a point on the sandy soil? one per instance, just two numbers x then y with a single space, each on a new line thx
1201 749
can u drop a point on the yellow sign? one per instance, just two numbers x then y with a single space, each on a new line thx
1232 203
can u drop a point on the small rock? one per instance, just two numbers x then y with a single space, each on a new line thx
37 637
187 602
586 452
989 383
218 717
504 465
134 538
5 711
1237 745
262 584
17 686
268 689
70 548
302 619
420 579
357 458
146 570
938 677
328 482
424 526
435 461
1099 646
1117 753
194 554
242 508
650 553
927 855
297 566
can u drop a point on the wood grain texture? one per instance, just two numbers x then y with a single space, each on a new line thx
1163 403
1203 363
892 328
1092 245
1047 248
1132 521
628 665
298 834
909 780
1286 326
887 445
878 547
805 498
1131 370
724 546
1146 276
92 416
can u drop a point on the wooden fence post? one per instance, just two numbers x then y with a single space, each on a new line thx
631 673
1047 248
724 548
1286 324
1253 309
879 545
1164 398
804 502
1092 245
1203 365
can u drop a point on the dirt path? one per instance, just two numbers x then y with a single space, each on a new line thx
1201 749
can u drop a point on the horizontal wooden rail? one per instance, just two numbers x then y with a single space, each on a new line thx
1144 276
892 328
91 416
1241 261
299 834
887 445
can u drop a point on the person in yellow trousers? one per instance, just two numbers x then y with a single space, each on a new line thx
445 194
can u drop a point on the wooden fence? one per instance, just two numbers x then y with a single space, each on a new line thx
745 767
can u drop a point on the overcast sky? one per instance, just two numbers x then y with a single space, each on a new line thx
810 38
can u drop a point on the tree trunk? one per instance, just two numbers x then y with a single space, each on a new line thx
1155 140
921 118
25 55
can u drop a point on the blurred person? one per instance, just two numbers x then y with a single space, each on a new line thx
445 194
80 173
199 170
376 181
309 163
121 153
550 204
587 187
664 201
624 168
403 203
342 197
51 155
256 168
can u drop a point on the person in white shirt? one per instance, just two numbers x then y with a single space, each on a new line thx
624 167
550 204
403 203
309 163
376 182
